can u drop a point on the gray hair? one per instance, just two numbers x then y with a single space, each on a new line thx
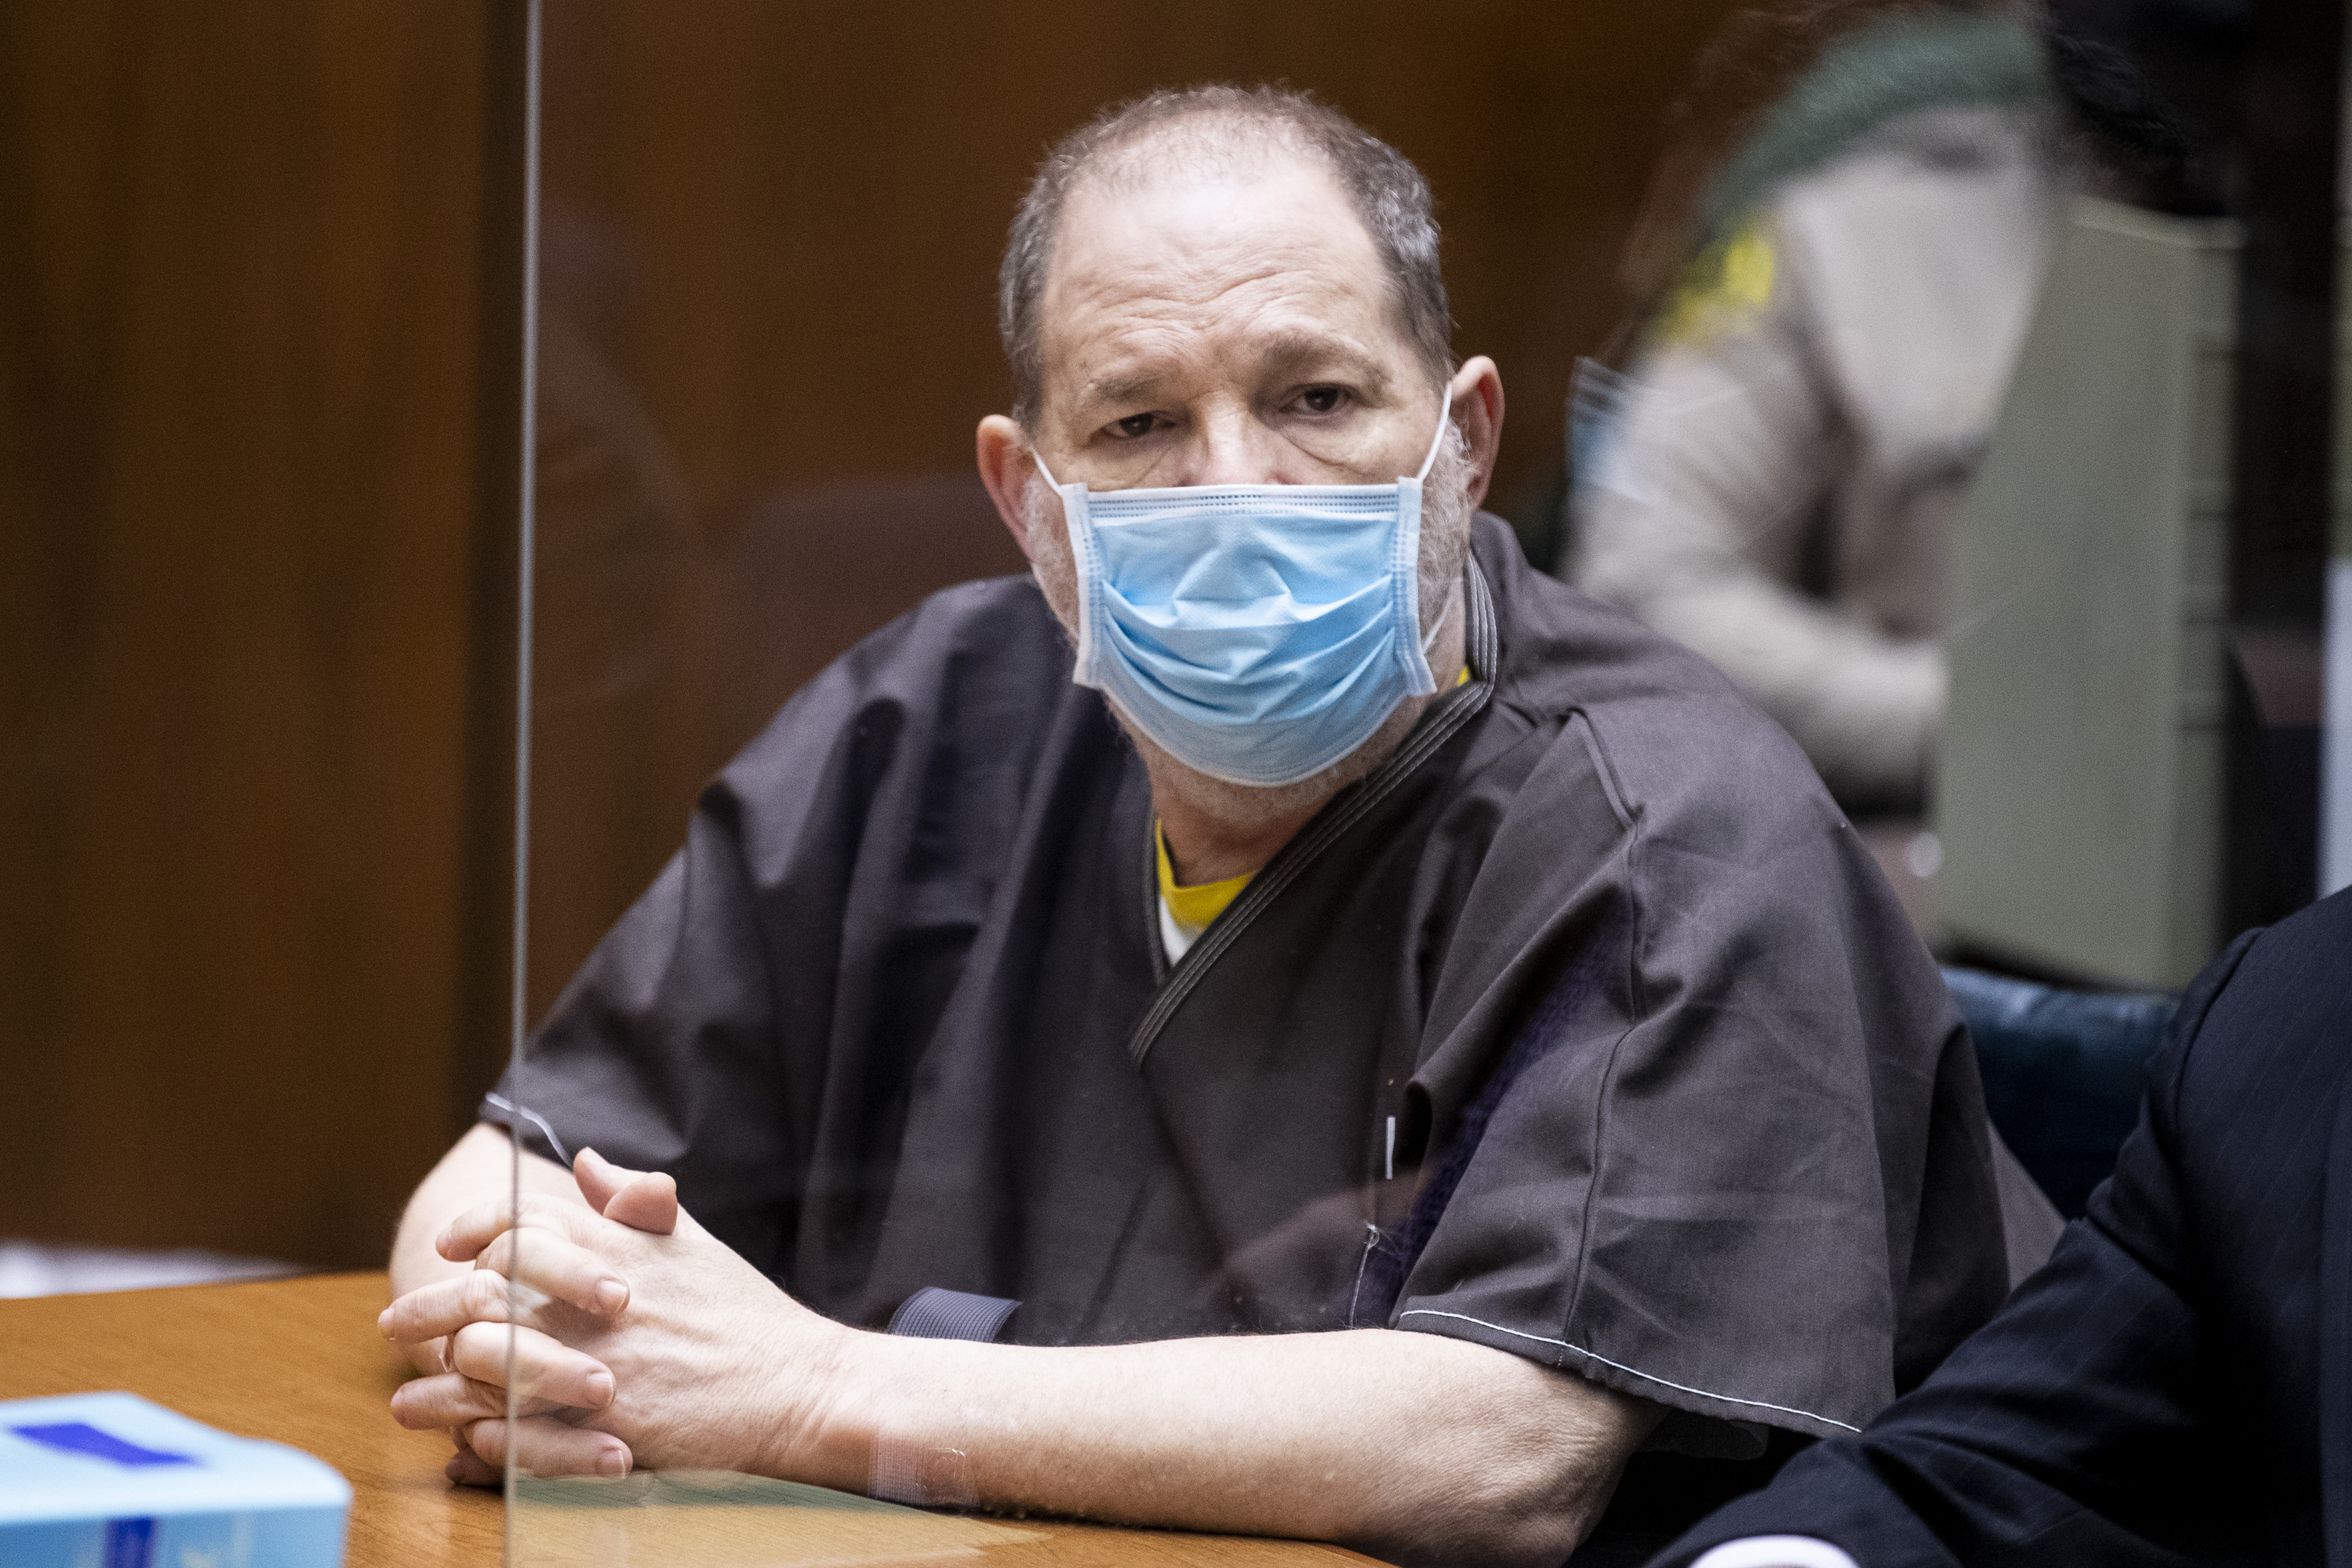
1198 125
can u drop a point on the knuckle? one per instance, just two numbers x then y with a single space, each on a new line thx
479 1340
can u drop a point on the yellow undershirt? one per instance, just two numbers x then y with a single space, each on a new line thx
1193 908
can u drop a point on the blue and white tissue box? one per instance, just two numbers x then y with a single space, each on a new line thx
109 1480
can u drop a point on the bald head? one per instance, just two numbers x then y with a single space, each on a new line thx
1215 136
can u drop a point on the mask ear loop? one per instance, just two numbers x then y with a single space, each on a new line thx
1082 561
1428 638
1445 411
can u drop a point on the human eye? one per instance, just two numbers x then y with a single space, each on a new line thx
1134 427
1321 400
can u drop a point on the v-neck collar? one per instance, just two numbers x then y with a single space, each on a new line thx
1443 718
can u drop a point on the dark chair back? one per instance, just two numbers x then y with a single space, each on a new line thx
2061 1072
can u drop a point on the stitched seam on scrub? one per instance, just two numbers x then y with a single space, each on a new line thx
1638 1005
1632 1372
1434 731
503 1103
1153 938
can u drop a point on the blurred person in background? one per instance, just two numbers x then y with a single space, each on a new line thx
1845 245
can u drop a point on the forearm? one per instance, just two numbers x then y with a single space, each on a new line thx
478 1168
1412 1446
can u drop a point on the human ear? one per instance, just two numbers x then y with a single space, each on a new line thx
1004 464
1478 410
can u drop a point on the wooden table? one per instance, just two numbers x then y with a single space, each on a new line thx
298 1361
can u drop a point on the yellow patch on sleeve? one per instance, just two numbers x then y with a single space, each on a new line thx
1723 289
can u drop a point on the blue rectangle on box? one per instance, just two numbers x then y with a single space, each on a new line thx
82 1437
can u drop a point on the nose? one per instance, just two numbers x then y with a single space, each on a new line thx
1231 446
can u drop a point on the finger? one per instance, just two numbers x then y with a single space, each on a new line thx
451 1399
545 1447
649 1204
486 1358
533 1364
444 1400
463 1238
542 1259
599 1178
471 1231
643 1200
429 1311
467 1469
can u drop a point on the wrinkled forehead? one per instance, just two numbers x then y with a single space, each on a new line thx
1206 263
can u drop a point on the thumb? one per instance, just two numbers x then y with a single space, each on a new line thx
643 1200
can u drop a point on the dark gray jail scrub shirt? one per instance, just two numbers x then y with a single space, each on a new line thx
1584 1028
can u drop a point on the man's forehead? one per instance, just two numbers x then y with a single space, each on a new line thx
1273 253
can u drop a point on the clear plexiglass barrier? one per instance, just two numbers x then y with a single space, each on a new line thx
1145 937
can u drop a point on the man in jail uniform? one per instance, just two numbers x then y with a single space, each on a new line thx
1384 1156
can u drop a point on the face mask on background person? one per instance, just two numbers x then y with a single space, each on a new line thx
1258 633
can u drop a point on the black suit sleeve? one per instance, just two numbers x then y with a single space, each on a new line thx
2067 1431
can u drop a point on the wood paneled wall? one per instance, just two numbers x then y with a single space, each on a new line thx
246 979
789 218
236 398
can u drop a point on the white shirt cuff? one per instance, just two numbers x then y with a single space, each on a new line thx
1776 1551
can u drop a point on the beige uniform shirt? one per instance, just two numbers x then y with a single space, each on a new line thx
1793 448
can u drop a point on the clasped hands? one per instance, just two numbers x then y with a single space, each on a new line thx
638 1339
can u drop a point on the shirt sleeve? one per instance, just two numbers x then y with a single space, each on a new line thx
1735 1161
831 880
661 1054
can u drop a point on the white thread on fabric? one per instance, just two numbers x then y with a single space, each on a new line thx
1630 1370
1363 1261
1776 1551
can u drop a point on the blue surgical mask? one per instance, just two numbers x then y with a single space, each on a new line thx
1258 633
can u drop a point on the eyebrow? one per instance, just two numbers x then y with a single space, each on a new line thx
1298 349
